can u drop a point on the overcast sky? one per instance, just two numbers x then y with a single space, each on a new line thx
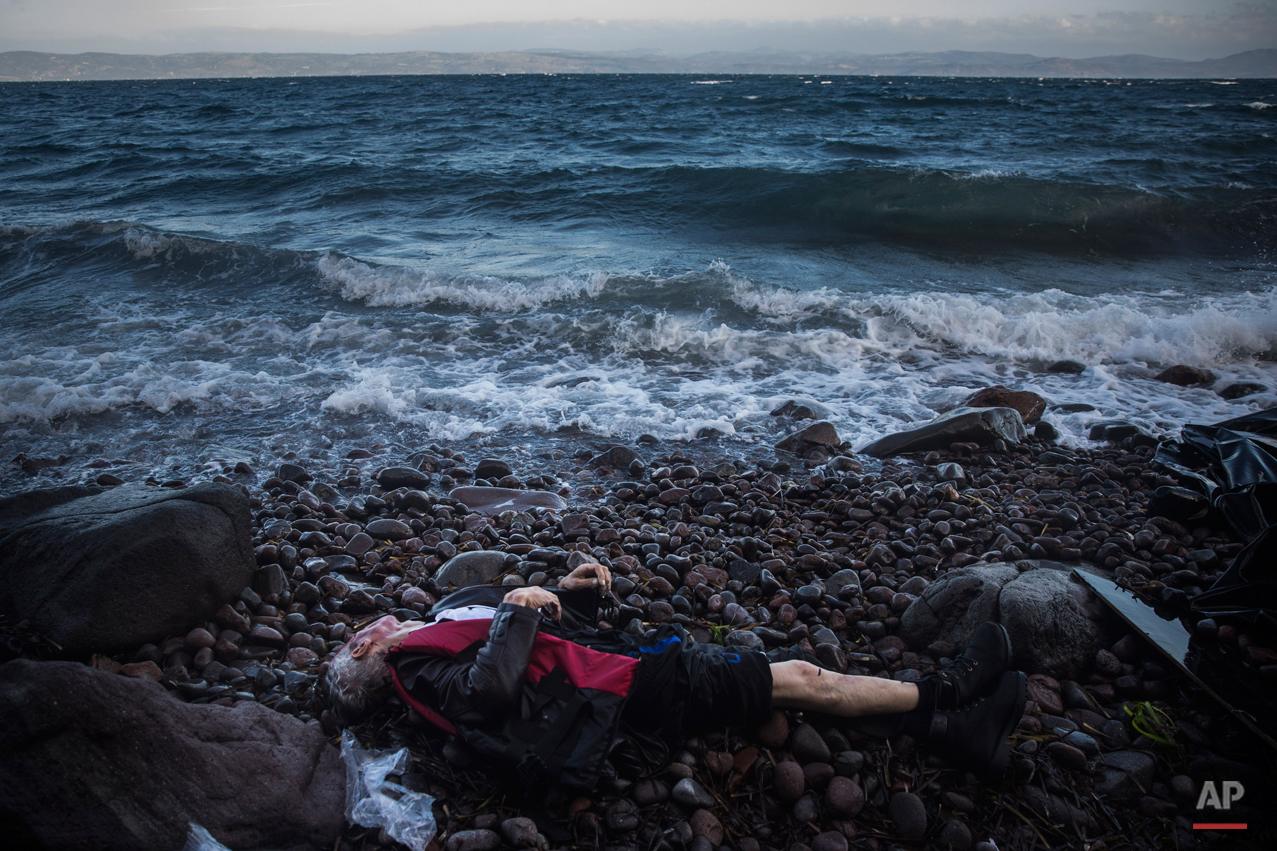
1186 29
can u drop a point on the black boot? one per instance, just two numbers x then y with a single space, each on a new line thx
975 735
977 670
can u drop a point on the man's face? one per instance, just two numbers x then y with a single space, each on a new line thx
374 640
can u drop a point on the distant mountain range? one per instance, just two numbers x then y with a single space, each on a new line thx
26 66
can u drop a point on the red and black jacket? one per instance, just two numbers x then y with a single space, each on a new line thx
547 706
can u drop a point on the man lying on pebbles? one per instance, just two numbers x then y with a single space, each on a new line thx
524 677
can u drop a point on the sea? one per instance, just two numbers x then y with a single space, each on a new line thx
195 272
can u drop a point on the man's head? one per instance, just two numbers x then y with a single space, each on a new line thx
358 680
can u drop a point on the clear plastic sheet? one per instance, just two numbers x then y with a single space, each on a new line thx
374 801
199 839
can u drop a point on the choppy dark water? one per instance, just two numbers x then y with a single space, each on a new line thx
201 269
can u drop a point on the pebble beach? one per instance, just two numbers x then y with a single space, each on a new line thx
826 552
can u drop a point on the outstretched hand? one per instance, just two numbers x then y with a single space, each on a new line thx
535 597
588 576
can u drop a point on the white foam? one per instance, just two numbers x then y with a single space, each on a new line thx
1259 104
875 362
1055 325
390 286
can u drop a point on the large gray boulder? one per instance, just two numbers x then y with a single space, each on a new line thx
961 425
951 607
108 570
1056 623
93 760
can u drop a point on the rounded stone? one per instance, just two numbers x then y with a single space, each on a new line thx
706 824
955 836
521 832
909 814
200 638
689 793
775 732
830 840
359 543
387 529
403 477
805 809
476 567
1067 756
474 840
809 746
789 781
648 792
844 798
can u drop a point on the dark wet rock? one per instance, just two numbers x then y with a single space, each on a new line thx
1125 774
1239 390
122 751
1029 404
1186 376
293 473
478 839
775 732
805 809
950 472
521 832
359 544
477 567
1067 756
809 745
743 571
110 570
954 836
848 762
1127 649
1067 367
493 501
843 579
387 529
492 468
689 793
909 814
816 434
964 425
830 840
1045 691
789 781
795 410
818 775
1045 431
617 457
844 798
403 477
830 655
706 824
649 792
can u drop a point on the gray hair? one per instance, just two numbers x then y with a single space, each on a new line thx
355 687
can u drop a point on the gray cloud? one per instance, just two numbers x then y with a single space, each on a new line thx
1183 29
